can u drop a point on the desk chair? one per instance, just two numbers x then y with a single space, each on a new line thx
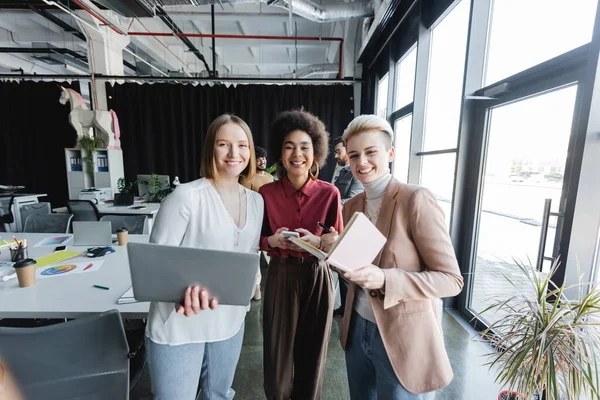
9 217
49 223
135 224
83 210
85 358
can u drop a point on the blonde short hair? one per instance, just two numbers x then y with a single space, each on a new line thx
208 165
369 122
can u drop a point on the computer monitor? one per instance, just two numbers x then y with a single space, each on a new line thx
144 189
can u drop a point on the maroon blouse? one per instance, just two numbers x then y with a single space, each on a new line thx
316 201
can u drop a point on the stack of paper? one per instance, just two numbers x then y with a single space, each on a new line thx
127 297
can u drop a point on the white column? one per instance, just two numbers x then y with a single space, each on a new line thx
105 52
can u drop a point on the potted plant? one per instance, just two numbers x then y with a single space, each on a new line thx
125 195
157 190
546 343
89 144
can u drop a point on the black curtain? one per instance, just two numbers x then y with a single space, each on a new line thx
163 125
35 131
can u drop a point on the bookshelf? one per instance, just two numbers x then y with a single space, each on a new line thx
108 168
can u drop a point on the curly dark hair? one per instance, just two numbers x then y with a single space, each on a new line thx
289 121
260 152
337 141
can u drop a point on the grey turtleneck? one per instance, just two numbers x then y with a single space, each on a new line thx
374 192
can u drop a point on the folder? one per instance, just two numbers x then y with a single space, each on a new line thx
56 257
356 247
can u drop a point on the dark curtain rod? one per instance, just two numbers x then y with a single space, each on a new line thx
180 79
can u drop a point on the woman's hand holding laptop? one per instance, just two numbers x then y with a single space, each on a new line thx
195 301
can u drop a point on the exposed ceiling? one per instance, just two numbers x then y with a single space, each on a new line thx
36 24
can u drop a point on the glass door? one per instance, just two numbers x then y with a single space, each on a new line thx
524 164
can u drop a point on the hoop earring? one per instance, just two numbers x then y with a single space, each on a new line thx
314 175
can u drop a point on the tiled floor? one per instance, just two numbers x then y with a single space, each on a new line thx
472 381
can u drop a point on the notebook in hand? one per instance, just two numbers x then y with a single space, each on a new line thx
357 246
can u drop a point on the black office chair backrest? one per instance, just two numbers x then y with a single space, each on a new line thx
8 218
48 223
83 210
85 358
135 224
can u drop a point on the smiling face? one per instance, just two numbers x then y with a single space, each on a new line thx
297 153
369 158
261 163
340 154
231 151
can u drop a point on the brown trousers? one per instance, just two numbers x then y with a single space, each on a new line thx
297 318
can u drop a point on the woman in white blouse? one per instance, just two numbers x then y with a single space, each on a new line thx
198 340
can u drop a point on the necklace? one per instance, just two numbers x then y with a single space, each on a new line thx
236 221
372 218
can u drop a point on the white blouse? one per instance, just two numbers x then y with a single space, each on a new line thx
194 216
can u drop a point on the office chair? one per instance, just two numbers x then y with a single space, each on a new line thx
48 223
84 358
135 224
83 210
8 218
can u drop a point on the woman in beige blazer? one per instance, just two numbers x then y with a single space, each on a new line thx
392 331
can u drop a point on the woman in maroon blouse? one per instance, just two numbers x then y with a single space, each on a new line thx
298 300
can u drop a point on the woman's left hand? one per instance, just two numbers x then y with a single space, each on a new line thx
309 237
369 277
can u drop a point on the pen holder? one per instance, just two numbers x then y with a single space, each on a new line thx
18 254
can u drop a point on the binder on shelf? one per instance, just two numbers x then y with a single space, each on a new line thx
102 163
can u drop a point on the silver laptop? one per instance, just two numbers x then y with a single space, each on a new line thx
162 273
92 233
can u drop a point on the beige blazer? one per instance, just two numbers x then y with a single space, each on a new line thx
420 267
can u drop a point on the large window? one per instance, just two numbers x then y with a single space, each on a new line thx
437 174
402 130
524 33
405 78
446 70
382 97
525 165
444 99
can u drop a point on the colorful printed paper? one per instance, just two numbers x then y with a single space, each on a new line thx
54 241
69 269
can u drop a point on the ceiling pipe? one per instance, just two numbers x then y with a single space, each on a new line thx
176 30
250 37
179 79
311 11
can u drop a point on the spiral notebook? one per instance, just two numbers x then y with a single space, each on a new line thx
357 246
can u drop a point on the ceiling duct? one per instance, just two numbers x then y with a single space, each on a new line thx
304 8
53 55
315 69
130 8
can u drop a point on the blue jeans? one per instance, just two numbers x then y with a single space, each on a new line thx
370 373
176 370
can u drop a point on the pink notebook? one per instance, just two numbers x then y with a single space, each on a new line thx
357 246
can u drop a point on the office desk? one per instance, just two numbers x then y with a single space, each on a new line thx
110 209
21 199
150 210
71 296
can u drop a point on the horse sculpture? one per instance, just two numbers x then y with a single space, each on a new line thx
83 119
